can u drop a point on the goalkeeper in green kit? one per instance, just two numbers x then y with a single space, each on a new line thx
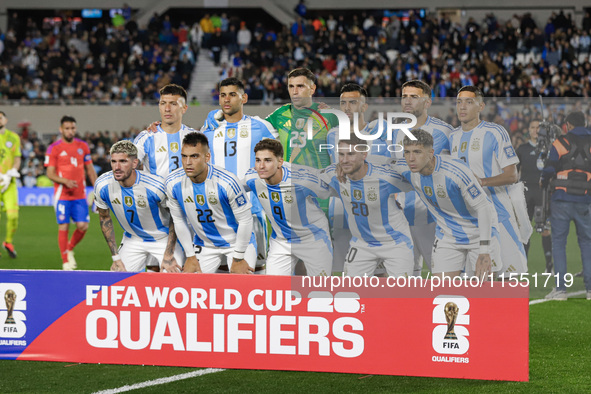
291 122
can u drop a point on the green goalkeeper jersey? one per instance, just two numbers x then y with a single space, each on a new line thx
10 147
290 123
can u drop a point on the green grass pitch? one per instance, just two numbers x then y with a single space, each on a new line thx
560 350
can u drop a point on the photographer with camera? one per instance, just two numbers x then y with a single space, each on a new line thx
529 174
569 169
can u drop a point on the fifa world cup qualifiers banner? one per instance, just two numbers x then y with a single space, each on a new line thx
263 322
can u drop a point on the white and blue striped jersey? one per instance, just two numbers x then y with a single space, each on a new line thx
415 211
232 144
487 149
377 147
453 195
210 207
139 209
160 152
292 205
370 205
436 127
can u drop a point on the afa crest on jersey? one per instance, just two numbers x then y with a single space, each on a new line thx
174 147
372 195
141 202
128 201
475 145
212 198
244 131
288 198
200 199
441 192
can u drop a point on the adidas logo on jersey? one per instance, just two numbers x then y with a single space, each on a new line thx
188 199
116 201
219 135
263 195
63 153
162 149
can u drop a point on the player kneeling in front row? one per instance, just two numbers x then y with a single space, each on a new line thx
466 235
379 229
213 202
286 193
138 200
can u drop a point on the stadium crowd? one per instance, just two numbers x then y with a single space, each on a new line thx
64 61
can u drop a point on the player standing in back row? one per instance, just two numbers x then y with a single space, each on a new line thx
159 150
67 160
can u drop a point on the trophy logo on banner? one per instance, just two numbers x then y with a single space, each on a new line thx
451 319
12 308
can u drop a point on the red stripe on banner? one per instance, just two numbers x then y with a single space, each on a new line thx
260 322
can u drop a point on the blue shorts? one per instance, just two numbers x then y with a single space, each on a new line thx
75 209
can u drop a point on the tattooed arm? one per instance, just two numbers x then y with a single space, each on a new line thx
109 234
169 263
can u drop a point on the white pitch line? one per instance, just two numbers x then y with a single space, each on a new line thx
539 301
156 382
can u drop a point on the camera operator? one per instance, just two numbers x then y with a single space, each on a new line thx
530 176
569 165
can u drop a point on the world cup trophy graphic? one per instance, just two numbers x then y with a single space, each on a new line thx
451 314
9 299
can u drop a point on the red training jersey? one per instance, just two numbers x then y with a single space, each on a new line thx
69 160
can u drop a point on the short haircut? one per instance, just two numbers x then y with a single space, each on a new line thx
353 87
269 144
174 90
232 82
302 72
67 118
474 89
126 147
3 113
353 140
422 138
576 118
415 83
194 138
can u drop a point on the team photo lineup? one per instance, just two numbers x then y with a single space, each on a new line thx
341 173
261 195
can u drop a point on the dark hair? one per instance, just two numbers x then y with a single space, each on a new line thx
422 138
269 144
2 112
353 87
174 90
353 140
232 82
194 138
577 119
67 118
302 72
415 83
474 89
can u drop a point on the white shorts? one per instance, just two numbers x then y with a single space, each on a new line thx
423 237
135 253
210 258
283 256
512 250
448 256
363 259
